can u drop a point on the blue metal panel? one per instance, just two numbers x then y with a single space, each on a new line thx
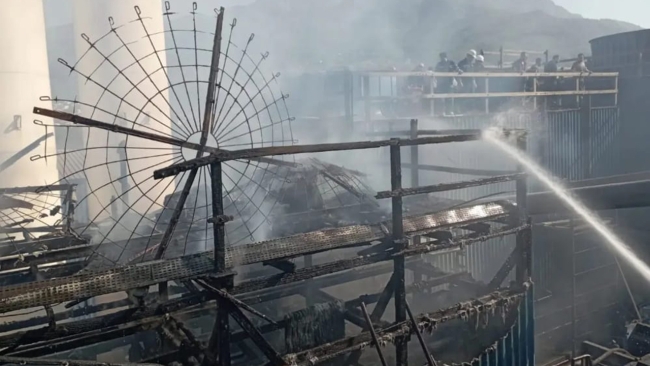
517 347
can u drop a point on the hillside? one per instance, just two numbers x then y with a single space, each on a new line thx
321 34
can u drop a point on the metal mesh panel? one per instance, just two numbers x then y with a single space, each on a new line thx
294 245
90 284
427 223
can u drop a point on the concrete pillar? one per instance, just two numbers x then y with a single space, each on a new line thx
24 77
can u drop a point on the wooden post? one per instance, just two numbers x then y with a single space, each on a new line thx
401 343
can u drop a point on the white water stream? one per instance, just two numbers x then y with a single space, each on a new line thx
494 136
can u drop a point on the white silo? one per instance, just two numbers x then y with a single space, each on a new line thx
24 77
128 80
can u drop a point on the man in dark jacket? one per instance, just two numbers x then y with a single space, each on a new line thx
552 66
521 63
444 84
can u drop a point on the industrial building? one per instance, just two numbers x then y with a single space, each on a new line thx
167 200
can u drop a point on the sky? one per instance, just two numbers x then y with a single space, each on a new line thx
632 11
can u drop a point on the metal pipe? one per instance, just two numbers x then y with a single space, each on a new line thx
430 360
371 328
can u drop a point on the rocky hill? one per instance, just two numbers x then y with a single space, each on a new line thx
308 34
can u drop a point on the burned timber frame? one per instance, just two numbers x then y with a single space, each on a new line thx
214 276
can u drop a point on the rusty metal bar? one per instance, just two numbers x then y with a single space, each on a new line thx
64 116
371 328
377 313
37 189
430 360
403 192
304 149
401 343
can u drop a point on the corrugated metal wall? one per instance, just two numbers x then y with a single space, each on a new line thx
557 139
518 346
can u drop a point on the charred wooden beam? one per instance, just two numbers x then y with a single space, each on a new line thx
455 170
176 169
443 187
98 322
282 265
399 242
238 303
63 362
254 334
505 269
377 313
345 264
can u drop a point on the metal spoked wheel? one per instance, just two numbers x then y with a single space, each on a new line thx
143 97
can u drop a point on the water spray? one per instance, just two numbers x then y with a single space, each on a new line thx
495 136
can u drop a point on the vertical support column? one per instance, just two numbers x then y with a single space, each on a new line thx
573 290
401 355
522 238
348 101
535 80
366 102
69 212
432 101
309 298
585 137
220 338
616 88
487 95
415 158
415 182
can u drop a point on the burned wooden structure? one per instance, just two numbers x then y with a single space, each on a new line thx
209 278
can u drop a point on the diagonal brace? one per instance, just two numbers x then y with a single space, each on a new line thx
254 333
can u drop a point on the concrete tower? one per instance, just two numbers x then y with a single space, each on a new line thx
24 77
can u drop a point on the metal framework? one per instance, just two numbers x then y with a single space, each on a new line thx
209 272
204 283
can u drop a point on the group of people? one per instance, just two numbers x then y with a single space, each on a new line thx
475 62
